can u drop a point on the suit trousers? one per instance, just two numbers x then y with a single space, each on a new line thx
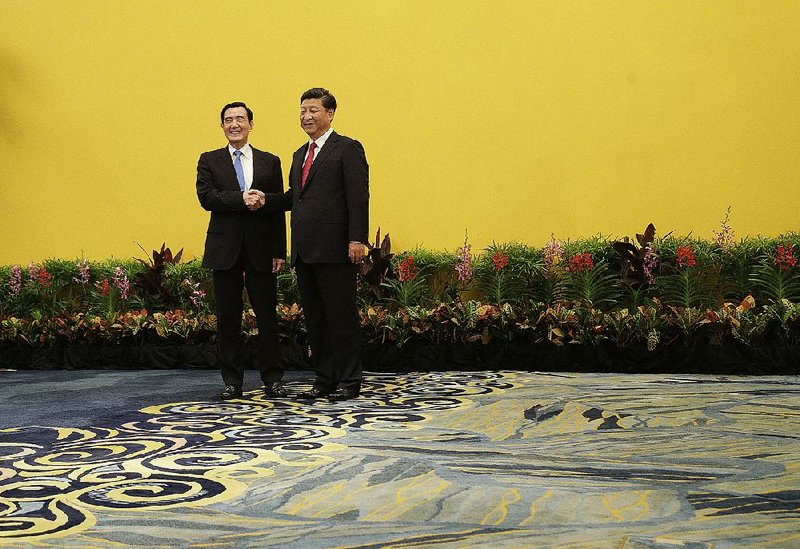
262 293
328 297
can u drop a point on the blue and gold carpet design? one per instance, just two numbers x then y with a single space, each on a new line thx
498 459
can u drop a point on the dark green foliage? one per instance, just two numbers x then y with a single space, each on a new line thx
688 287
438 269
596 287
773 284
287 286
510 273
409 293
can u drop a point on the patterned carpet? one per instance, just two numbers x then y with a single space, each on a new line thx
496 459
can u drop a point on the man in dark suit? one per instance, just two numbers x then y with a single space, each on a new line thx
329 199
245 247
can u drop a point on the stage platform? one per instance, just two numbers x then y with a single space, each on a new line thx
151 458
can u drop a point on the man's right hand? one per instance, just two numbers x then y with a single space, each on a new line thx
253 199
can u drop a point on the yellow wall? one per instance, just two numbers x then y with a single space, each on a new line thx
511 119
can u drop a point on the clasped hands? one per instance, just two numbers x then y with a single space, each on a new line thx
253 199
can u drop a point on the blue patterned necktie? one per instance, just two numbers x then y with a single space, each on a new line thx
237 165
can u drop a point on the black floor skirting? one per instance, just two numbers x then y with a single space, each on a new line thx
424 357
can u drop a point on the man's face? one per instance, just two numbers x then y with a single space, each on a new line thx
314 118
236 126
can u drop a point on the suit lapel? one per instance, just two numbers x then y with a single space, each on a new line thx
223 158
258 169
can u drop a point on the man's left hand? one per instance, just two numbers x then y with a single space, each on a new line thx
356 252
254 199
277 264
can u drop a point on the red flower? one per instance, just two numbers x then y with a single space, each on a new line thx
499 260
784 257
103 286
407 271
43 277
686 257
581 262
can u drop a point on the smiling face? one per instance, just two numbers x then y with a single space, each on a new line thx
314 118
236 126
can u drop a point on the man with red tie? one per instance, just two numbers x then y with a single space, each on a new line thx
329 199
245 247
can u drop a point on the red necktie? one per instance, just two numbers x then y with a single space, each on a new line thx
307 164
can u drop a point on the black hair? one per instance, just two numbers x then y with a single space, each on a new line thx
233 106
328 100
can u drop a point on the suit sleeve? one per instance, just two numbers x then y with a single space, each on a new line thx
356 187
279 220
278 202
211 198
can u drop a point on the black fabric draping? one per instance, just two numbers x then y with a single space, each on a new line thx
699 359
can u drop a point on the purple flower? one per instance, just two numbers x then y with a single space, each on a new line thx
33 272
724 236
464 262
15 280
83 272
649 264
196 296
553 253
120 280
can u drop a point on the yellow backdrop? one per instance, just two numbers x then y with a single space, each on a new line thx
513 120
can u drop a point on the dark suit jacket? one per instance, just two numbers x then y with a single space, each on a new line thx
332 209
232 225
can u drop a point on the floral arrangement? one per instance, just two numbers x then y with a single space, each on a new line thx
646 291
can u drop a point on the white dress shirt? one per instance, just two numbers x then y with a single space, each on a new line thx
247 163
320 142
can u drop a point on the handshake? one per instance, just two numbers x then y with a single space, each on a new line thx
253 199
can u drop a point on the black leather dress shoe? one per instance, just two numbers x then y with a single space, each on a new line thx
343 394
231 391
275 389
312 394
